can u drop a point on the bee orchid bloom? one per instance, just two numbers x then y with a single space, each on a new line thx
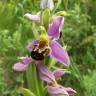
48 45
61 91
53 87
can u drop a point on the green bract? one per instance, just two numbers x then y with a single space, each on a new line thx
45 17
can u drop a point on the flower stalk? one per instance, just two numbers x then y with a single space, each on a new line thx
45 44
33 83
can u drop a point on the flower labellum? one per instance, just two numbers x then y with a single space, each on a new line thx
42 49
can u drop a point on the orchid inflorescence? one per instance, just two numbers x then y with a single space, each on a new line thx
47 45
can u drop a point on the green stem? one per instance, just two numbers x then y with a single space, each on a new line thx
33 81
34 84
57 5
29 78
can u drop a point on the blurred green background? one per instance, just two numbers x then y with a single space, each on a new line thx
78 34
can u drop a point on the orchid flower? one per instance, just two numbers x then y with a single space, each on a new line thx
47 43
61 91
46 75
54 88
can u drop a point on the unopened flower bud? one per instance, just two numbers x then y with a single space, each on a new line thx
62 13
47 4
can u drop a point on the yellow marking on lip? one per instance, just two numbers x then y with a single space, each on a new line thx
44 38
53 84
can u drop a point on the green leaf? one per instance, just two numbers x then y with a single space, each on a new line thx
26 92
